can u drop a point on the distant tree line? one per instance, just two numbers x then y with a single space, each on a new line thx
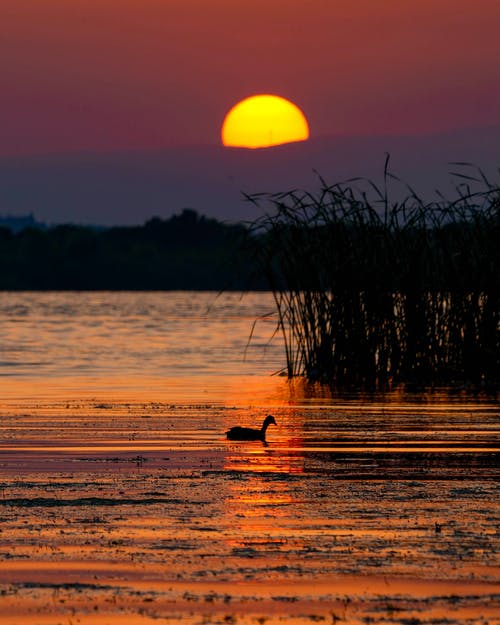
186 251
369 292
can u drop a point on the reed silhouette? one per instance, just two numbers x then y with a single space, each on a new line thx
372 292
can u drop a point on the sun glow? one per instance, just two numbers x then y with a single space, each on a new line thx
261 121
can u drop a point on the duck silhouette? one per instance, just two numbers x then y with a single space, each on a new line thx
239 433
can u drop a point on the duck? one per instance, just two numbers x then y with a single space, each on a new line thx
239 433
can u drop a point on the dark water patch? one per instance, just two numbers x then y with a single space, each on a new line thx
250 472
404 465
175 545
139 459
5 555
79 587
244 552
51 502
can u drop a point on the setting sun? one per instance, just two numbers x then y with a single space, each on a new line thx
261 121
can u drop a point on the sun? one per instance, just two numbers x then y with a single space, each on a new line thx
264 120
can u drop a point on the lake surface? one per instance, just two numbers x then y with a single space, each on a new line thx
171 334
121 501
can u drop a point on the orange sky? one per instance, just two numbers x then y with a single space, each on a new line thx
115 74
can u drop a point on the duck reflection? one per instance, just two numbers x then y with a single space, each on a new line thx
263 496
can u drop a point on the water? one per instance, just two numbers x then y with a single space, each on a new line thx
122 501
141 334
174 346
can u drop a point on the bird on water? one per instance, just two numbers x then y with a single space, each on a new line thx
239 433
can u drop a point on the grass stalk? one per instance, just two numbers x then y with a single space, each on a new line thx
373 292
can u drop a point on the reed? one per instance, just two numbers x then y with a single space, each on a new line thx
373 292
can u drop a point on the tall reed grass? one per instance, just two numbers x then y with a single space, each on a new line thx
373 292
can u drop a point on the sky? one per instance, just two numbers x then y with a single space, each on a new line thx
105 75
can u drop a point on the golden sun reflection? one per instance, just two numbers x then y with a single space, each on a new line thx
259 499
281 454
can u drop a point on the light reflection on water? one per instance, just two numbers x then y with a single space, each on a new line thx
140 333
171 371
341 441
113 412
